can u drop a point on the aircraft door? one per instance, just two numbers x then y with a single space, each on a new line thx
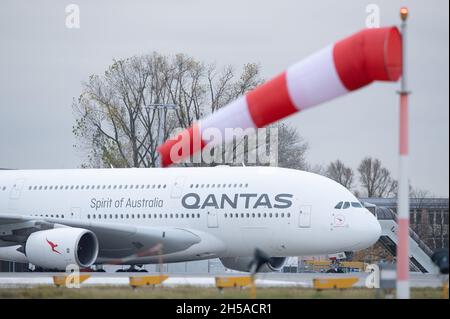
304 216
75 212
212 219
15 193
17 189
177 188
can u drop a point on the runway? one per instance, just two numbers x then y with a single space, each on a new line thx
300 280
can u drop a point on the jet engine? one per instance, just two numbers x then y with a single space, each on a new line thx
243 264
57 248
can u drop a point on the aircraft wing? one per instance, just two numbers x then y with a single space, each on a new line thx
115 240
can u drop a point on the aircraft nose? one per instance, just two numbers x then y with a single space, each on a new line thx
373 229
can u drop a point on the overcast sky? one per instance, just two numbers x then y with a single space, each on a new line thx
42 65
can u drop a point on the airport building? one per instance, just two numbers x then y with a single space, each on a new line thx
429 231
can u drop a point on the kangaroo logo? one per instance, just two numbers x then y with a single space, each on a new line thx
53 246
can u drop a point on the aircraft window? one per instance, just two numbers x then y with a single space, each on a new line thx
160 215
198 215
171 215
138 216
105 216
288 214
121 216
248 215
270 215
253 215
126 186
218 185
265 215
35 187
50 188
164 186
182 215
346 205
259 215
242 215
51 216
165 215
148 186
193 215
153 186
62 216
98 186
40 187
235 185
110 216
93 216
240 185
115 186
89 216
99 216
45 188
120 186
57 216
149 215
338 205
29 188
56 188
176 215
356 204
276 215
225 215
132 216
191 186
116 216
229 185
82 187
282 215
246 185
207 185
224 185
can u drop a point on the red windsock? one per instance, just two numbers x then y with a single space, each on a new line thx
367 56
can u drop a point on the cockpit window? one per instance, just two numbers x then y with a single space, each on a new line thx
356 204
338 205
346 205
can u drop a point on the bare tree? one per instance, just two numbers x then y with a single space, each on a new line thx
113 123
292 148
375 179
340 173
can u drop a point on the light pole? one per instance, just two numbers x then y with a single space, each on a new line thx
403 291
160 107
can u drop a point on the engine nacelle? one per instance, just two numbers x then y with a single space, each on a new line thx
243 263
57 248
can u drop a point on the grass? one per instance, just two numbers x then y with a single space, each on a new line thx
201 293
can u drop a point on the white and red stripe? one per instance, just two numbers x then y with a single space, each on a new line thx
367 56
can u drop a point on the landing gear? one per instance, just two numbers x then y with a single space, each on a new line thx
133 268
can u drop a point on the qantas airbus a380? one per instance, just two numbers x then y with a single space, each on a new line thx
54 218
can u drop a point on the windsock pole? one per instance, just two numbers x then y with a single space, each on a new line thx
403 291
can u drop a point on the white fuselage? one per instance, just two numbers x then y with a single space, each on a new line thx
234 210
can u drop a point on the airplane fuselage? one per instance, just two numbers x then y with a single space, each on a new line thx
233 210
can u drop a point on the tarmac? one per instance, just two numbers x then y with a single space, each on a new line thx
305 280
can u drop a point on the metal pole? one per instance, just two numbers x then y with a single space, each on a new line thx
161 131
160 107
403 291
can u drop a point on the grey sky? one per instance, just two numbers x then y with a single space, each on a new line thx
42 64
